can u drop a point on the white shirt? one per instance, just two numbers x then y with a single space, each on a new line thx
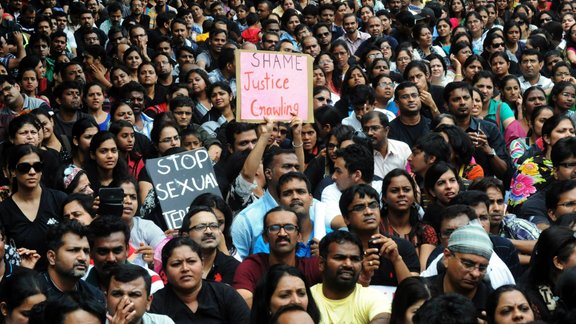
543 82
331 196
397 157
497 271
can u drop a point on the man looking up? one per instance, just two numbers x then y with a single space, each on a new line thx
339 297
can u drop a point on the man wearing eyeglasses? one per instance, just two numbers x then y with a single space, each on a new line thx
387 260
502 264
269 41
282 232
323 34
202 226
389 154
466 260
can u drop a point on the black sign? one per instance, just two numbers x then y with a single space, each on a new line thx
178 179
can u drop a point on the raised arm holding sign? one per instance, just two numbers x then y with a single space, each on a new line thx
273 85
178 179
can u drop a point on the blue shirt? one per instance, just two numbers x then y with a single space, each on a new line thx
249 223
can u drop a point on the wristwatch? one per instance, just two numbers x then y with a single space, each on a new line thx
492 153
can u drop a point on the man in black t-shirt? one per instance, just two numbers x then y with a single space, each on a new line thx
396 258
68 260
410 125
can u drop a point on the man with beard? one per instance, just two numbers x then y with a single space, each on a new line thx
466 261
339 297
294 193
201 225
133 92
164 69
68 97
68 259
282 232
353 37
389 154
73 71
180 33
322 32
208 58
269 41
410 124
15 102
490 148
109 246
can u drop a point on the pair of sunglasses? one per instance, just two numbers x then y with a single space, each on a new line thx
25 167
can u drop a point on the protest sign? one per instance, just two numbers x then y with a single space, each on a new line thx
178 179
274 85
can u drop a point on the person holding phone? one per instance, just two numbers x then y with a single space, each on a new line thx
387 260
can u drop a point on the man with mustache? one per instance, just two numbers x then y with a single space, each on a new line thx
389 154
68 259
282 232
339 297
294 193
109 245
69 98
201 225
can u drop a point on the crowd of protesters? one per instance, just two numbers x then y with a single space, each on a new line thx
437 183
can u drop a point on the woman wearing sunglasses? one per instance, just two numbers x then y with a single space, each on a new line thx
32 207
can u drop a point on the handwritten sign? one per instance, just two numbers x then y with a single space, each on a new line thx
178 179
274 85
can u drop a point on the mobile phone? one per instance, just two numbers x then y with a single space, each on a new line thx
374 245
111 201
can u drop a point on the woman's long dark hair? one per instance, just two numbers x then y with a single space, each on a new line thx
414 220
260 313
120 170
